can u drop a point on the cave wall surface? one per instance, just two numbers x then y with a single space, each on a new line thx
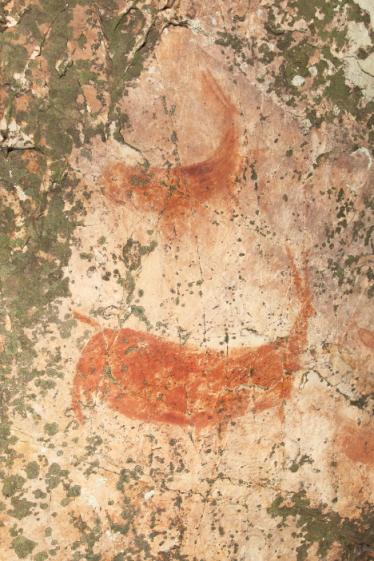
186 280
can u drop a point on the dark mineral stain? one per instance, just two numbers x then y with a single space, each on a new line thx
148 378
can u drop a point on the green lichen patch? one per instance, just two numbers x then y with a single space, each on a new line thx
12 485
296 464
133 251
51 428
353 229
21 508
301 54
127 475
316 525
55 476
32 470
41 556
23 546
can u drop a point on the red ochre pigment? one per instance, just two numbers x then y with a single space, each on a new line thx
148 378
177 192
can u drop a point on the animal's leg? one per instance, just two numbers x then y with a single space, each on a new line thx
90 369
276 395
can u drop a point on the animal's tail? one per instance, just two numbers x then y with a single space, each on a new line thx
297 338
211 85
79 384
302 283
86 319
220 167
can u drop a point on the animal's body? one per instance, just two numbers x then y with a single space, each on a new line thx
177 192
148 378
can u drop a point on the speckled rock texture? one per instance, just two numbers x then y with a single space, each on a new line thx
186 280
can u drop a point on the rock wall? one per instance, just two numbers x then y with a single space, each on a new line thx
186 280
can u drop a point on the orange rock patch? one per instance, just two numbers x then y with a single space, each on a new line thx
357 443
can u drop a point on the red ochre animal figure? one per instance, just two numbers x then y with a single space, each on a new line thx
178 191
150 379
